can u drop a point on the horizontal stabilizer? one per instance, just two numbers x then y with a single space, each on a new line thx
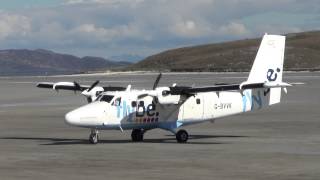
297 83
248 85
276 84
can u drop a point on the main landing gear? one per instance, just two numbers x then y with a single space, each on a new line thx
182 136
137 135
94 137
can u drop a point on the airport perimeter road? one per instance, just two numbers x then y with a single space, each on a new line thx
281 142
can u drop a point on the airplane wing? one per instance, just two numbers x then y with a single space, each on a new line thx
114 88
45 85
73 86
63 86
180 90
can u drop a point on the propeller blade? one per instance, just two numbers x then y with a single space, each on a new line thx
157 81
77 86
93 85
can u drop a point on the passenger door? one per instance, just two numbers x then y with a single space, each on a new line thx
193 108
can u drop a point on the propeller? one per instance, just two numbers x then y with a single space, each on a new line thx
77 86
157 81
93 85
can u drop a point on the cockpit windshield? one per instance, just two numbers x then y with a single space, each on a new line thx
106 98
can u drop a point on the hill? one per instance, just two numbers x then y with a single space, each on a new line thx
302 53
42 62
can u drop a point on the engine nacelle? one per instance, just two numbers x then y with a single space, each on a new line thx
165 98
93 94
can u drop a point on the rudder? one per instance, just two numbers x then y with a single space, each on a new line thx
268 64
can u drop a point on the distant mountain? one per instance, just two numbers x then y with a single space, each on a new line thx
127 58
42 62
302 53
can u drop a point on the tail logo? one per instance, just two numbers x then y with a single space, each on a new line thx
272 74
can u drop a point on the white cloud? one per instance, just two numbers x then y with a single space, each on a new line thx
115 27
185 28
192 29
72 2
91 32
75 1
16 25
234 29
278 29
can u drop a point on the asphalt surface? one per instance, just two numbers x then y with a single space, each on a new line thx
281 142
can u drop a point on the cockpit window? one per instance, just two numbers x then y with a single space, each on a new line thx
106 98
117 102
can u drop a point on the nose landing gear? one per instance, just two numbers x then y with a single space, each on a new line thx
94 137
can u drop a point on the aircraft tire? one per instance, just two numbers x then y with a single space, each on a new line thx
182 136
137 135
93 138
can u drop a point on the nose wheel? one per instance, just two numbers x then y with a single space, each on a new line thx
137 135
182 136
94 137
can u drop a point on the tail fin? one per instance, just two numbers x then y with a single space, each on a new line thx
268 65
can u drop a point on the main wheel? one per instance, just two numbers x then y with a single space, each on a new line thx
182 136
94 138
137 135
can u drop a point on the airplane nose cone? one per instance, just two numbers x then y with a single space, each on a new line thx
89 115
72 118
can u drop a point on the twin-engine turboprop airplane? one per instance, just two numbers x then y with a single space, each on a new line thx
170 108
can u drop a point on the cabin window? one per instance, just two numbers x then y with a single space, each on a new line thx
141 103
134 103
106 98
117 102
198 101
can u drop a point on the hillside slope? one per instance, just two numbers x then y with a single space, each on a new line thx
41 62
302 53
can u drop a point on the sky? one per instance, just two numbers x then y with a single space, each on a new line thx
132 29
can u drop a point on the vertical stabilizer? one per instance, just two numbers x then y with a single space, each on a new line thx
268 64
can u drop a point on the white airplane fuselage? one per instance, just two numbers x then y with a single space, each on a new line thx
125 111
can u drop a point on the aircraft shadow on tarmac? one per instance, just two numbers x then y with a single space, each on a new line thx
170 140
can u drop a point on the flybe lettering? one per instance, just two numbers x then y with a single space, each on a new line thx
149 110
126 110
147 114
143 114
